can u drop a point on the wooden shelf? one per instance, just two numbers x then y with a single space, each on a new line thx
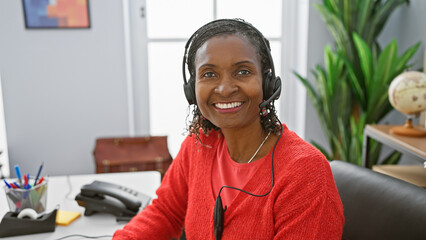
414 147
413 174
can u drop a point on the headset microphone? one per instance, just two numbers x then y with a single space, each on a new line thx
218 217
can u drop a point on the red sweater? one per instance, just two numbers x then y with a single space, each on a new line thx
303 204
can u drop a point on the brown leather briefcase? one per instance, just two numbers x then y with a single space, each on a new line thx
129 154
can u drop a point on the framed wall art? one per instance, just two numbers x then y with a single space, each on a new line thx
53 14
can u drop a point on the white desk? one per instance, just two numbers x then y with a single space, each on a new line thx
97 224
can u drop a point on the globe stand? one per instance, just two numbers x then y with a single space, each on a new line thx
409 130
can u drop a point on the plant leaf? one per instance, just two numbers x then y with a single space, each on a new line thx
365 58
347 14
382 73
405 57
309 89
392 158
331 71
355 82
381 16
337 29
364 14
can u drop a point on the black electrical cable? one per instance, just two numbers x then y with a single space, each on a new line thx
84 236
218 217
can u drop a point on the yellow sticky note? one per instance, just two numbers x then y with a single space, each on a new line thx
64 218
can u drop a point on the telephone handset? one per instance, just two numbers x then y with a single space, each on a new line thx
107 197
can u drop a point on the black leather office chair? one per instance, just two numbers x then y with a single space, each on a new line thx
377 206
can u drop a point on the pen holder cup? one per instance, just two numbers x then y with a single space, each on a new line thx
34 197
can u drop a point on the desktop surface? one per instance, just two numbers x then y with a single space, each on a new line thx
62 191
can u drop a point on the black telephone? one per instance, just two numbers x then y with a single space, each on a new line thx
118 200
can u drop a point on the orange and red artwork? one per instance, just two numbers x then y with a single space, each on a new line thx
56 13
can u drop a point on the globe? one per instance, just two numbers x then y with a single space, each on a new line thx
407 94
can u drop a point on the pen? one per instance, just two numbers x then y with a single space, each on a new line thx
18 174
41 180
25 181
7 184
16 184
38 173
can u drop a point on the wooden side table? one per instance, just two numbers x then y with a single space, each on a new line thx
413 174
411 146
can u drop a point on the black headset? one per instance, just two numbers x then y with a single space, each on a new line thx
271 84
271 87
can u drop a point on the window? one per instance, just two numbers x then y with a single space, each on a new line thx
169 24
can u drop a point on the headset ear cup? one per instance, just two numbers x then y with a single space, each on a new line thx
189 92
277 87
268 87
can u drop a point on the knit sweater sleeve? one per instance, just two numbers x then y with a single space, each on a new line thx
309 207
164 218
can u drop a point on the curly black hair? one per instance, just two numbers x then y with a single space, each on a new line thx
243 29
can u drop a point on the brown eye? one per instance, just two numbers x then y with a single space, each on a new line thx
243 72
209 75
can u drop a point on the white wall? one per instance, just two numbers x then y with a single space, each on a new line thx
63 88
4 153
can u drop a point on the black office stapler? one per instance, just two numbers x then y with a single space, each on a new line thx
122 202
11 225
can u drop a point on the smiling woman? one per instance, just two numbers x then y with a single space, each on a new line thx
238 154
229 83
247 53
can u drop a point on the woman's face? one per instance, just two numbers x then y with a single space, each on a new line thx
228 85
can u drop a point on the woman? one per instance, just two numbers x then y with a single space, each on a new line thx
234 137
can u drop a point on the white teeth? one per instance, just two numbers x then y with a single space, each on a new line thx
228 105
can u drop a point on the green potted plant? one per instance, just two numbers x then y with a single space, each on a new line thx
350 91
